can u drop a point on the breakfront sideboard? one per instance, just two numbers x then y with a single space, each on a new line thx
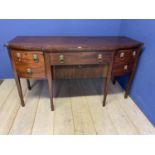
53 57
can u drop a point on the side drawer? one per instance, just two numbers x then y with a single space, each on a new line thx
29 64
125 56
30 71
80 58
124 61
34 58
119 70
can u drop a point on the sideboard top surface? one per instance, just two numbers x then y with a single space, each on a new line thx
74 43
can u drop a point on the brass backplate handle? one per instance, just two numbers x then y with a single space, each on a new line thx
61 58
134 53
35 58
29 71
122 55
125 67
99 57
18 55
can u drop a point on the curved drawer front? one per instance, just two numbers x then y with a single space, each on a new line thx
122 69
125 56
30 72
80 58
124 61
28 57
29 64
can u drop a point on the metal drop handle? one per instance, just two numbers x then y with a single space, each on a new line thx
35 58
29 71
122 55
134 53
18 55
99 57
125 67
61 58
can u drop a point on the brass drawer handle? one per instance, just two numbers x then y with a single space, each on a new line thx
134 53
125 67
99 57
29 71
35 58
18 56
61 58
122 55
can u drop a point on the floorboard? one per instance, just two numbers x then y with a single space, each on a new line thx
63 117
5 89
101 119
119 118
135 115
9 109
78 110
43 123
82 119
23 123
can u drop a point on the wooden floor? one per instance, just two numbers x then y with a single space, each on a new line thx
78 110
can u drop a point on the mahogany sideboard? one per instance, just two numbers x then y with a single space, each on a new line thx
49 57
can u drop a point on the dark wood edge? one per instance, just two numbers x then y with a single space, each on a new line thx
68 49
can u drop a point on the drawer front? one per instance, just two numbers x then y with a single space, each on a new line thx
29 64
80 58
28 57
30 72
125 56
122 69
124 61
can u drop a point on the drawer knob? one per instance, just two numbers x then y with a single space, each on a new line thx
125 67
99 57
122 55
61 58
18 55
35 58
134 53
29 71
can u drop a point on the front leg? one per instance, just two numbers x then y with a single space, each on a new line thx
19 88
113 80
50 86
107 83
131 75
28 84
49 73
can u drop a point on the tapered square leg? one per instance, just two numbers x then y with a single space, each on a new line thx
131 75
128 85
19 88
107 83
113 80
105 92
50 86
106 88
49 73
52 105
28 84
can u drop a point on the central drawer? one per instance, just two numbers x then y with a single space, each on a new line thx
80 58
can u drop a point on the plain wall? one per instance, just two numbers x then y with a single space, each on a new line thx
142 91
11 28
